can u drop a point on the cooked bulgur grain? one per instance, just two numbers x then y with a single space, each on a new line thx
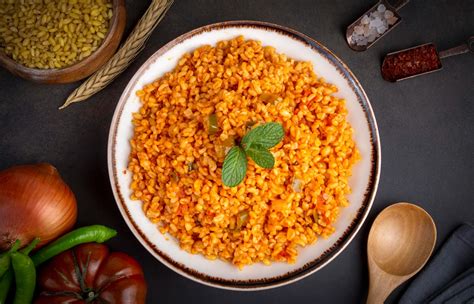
243 83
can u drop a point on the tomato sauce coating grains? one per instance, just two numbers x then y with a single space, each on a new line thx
176 160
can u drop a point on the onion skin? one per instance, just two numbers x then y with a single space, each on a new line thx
34 202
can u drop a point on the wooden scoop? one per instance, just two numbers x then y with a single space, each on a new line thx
401 241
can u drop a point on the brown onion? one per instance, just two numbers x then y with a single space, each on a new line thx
34 202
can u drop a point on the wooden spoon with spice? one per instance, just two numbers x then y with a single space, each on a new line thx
419 60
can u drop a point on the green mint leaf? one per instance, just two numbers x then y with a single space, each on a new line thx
267 136
234 167
261 156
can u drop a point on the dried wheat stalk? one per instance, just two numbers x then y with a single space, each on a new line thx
125 55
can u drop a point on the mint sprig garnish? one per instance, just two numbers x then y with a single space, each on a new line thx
254 144
267 135
234 167
260 156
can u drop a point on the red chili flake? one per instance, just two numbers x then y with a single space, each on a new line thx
182 209
411 62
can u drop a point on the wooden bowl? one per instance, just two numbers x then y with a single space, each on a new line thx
80 69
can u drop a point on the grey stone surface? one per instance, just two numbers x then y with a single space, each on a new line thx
426 127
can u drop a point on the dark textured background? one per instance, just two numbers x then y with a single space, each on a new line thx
426 128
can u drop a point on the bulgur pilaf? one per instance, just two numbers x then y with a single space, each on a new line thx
177 162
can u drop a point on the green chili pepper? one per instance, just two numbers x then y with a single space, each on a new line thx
212 124
4 263
5 258
15 246
94 233
30 247
25 278
6 273
242 218
5 284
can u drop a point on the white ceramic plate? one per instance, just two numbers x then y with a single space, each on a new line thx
363 182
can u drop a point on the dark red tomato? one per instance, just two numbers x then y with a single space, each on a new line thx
88 273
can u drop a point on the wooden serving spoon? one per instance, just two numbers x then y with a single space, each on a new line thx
401 241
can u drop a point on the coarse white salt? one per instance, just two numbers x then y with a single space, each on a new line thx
372 26
376 14
367 31
372 37
388 14
375 23
365 20
359 30
381 29
392 20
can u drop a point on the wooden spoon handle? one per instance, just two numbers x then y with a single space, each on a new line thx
381 284
378 292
